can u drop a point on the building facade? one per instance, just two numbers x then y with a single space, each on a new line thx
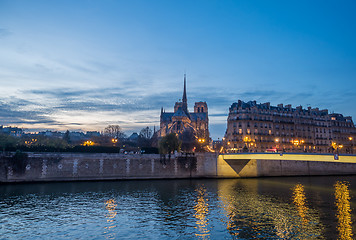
253 127
181 120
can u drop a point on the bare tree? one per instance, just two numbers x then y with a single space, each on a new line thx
146 133
114 131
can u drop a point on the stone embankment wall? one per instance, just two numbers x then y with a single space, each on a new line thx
111 166
79 166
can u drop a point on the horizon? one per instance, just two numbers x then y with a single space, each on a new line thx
83 65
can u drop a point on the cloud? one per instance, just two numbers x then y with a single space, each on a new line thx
12 114
93 109
104 99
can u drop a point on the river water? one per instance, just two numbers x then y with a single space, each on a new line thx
260 208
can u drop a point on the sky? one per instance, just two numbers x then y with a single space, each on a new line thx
82 65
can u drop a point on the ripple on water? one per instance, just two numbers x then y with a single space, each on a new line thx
178 209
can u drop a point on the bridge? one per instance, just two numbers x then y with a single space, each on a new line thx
287 164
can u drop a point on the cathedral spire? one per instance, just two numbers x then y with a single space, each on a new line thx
185 91
184 100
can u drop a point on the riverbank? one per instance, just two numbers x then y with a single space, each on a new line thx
37 167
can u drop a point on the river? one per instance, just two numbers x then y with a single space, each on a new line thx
259 208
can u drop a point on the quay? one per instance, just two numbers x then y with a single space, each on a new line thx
37 167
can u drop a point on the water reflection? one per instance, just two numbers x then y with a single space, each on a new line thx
201 212
250 213
342 201
110 206
299 200
264 208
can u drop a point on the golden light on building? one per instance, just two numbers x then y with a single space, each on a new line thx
210 149
342 202
221 149
201 211
247 139
350 138
299 200
276 140
114 140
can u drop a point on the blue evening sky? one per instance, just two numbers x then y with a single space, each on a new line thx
81 65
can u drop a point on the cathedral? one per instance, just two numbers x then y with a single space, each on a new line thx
181 120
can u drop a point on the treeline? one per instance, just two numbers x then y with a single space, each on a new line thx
112 141
80 149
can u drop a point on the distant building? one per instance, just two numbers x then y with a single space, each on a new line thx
93 134
256 127
13 131
181 120
133 138
51 134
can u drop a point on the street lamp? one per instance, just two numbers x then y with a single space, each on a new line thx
337 146
201 140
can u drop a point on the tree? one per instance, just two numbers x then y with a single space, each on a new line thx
66 136
146 133
144 138
7 141
52 142
114 131
188 141
169 144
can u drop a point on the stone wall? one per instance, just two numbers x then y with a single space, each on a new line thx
98 166
111 166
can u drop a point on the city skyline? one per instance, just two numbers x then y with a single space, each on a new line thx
84 65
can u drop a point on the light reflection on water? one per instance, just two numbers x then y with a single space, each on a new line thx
201 212
342 197
268 208
110 216
299 200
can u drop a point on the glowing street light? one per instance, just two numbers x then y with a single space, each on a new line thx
201 140
88 143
